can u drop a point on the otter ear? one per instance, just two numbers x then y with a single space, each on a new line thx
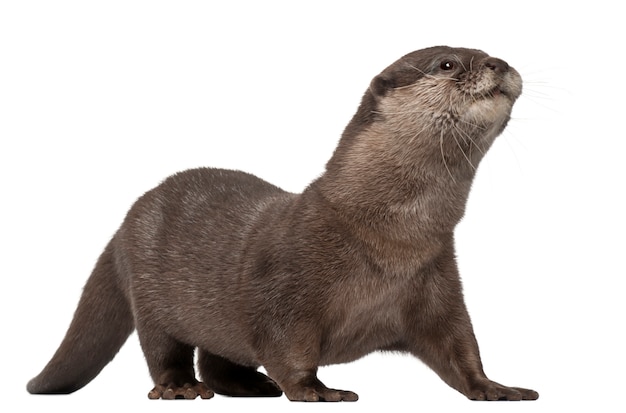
381 85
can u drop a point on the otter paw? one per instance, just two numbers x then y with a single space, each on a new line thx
490 390
322 394
188 391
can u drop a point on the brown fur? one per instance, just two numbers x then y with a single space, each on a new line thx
362 260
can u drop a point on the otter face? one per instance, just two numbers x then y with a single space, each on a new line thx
461 96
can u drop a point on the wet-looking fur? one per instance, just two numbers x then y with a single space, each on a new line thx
362 260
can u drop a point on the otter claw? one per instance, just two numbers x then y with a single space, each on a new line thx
187 392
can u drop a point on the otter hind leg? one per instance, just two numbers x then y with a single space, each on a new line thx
171 367
231 379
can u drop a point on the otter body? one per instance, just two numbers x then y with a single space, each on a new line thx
362 260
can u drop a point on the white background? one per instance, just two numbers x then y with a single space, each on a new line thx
100 101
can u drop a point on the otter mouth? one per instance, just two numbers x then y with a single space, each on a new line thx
495 92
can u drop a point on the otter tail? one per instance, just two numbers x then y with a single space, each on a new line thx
102 323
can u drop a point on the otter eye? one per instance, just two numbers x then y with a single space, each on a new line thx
446 65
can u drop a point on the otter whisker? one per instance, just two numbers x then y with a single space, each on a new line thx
467 137
462 151
419 86
475 125
429 76
417 69
412 85
460 62
455 79
396 112
418 133
443 156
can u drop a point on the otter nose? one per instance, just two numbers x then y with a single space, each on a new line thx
497 65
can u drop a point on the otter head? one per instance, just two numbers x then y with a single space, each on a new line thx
412 148
439 106
463 92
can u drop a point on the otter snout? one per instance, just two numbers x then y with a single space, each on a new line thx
497 65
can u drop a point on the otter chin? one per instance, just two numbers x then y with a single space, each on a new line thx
222 263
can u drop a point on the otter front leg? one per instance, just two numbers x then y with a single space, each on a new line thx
457 361
440 333
449 347
303 385
445 341
293 365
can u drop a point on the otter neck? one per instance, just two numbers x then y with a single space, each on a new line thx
396 192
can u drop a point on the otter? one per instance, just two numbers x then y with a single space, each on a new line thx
362 260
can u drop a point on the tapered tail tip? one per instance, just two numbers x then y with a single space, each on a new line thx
36 386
